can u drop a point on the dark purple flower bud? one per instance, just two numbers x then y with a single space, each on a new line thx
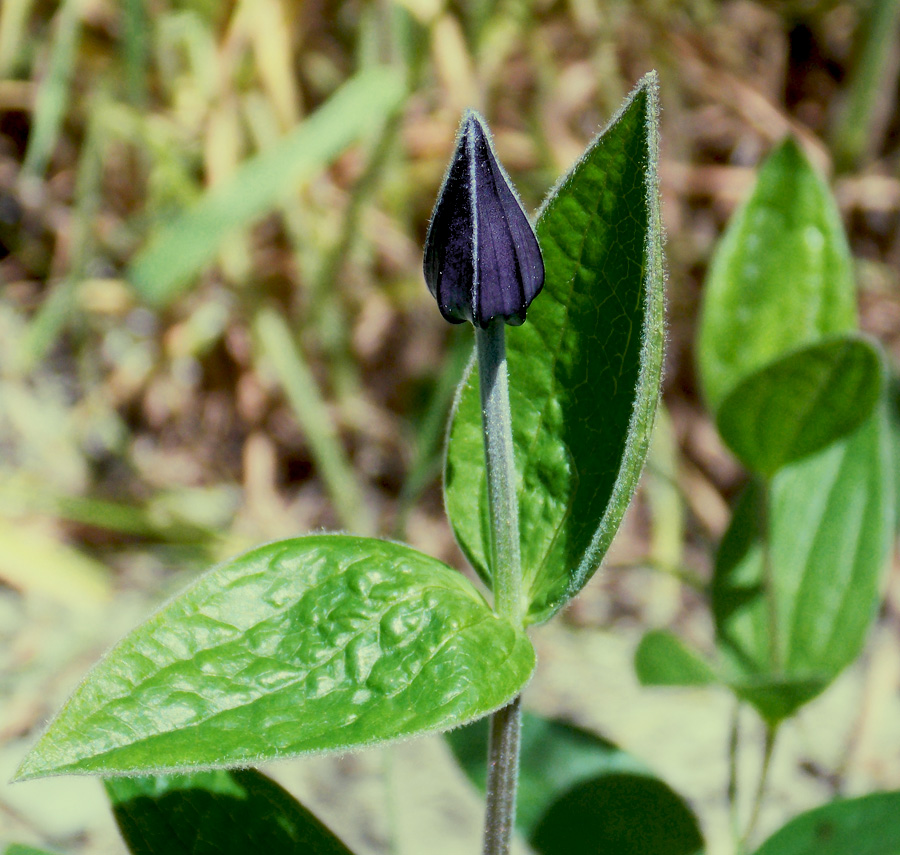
482 259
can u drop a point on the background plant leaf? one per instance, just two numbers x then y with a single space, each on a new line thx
781 276
178 252
828 520
584 369
569 777
221 812
662 659
892 398
22 849
318 643
869 825
801 403
621 814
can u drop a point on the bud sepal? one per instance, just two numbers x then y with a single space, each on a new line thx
482 258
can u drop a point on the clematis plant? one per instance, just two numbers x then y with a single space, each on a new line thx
483 264
333 642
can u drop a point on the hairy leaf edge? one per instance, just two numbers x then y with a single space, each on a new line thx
24 774
650 374
653 334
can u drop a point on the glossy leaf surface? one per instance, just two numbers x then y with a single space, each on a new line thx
869 825
662 659
584 369
319 643
800 403
781 276
570 777
785 633
221 812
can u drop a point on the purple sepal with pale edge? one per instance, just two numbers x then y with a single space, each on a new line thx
482 259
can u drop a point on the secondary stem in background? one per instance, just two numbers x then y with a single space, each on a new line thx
768 579
506 569
430 431
769 747
57 310
865 113
733 743
345 491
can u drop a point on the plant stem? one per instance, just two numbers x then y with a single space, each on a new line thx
503 503
864 116
506 569
768 579
733 742
761 786
429 434
503 777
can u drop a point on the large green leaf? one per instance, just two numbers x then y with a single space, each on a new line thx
790 618
869 825
584 369
328 642
781 276
801 402
662 659
569 779
178 252
220 812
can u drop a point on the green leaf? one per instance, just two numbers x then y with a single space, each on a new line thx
662 659
778 698
178 252
584 369
619 815
573 777
22 849
553 757
869 825
827 520
800 403
893 409
781 277
319 643
215 813
54 95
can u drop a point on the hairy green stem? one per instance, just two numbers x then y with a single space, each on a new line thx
503 777
506 569
503 503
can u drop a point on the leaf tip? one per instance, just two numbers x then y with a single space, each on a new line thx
29 769
650 84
